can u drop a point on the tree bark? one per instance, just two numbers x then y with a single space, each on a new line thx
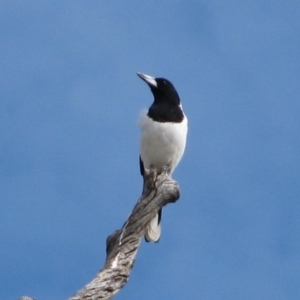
122 245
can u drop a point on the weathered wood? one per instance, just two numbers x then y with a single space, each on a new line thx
122 245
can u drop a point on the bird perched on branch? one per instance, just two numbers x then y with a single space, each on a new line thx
163 136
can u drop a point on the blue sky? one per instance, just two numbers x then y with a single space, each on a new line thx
69 173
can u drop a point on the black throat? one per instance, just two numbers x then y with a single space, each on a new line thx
165 113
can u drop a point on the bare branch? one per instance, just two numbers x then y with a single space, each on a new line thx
122 245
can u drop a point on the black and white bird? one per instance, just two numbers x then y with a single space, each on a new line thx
163 136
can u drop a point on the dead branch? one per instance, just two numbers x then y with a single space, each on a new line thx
122 245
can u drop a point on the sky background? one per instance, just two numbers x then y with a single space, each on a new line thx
69 172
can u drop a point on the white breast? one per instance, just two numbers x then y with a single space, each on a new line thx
162 144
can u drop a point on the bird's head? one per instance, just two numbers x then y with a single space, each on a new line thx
162 89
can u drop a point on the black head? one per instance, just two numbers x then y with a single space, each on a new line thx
166 106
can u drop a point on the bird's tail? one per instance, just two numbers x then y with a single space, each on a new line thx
153 230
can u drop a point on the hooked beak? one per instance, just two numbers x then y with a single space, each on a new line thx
148 79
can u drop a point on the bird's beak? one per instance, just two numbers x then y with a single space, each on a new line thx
149 79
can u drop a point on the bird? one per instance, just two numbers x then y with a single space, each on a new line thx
164 130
